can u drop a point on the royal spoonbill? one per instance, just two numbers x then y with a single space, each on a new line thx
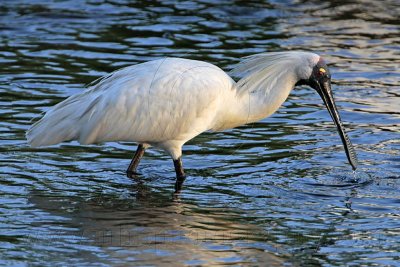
166 102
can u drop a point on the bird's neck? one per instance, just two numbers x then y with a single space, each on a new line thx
253 106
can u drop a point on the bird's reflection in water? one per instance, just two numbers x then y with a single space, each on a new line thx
157 228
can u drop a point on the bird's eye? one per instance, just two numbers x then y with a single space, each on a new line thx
322 71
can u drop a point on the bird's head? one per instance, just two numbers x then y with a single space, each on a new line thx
264 71
320 80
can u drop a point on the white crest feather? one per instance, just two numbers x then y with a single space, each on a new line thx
263 71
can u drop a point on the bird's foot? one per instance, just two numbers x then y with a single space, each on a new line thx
132 174
179 183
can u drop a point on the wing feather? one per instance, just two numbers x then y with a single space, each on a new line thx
153 101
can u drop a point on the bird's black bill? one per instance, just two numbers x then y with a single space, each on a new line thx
326 94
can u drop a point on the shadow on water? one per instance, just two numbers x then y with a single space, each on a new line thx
152 228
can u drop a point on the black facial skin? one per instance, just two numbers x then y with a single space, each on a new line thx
320 80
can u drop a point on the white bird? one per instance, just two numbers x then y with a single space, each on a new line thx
166 102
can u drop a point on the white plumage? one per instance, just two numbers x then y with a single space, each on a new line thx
169 101
166 102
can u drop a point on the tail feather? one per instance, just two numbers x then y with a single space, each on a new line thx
61 123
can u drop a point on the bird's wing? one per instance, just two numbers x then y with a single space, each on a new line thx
166 99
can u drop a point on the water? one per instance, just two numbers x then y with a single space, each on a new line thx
277 192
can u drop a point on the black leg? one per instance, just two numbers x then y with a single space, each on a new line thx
131 171
180 174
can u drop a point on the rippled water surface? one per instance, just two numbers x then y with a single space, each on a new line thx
277 192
